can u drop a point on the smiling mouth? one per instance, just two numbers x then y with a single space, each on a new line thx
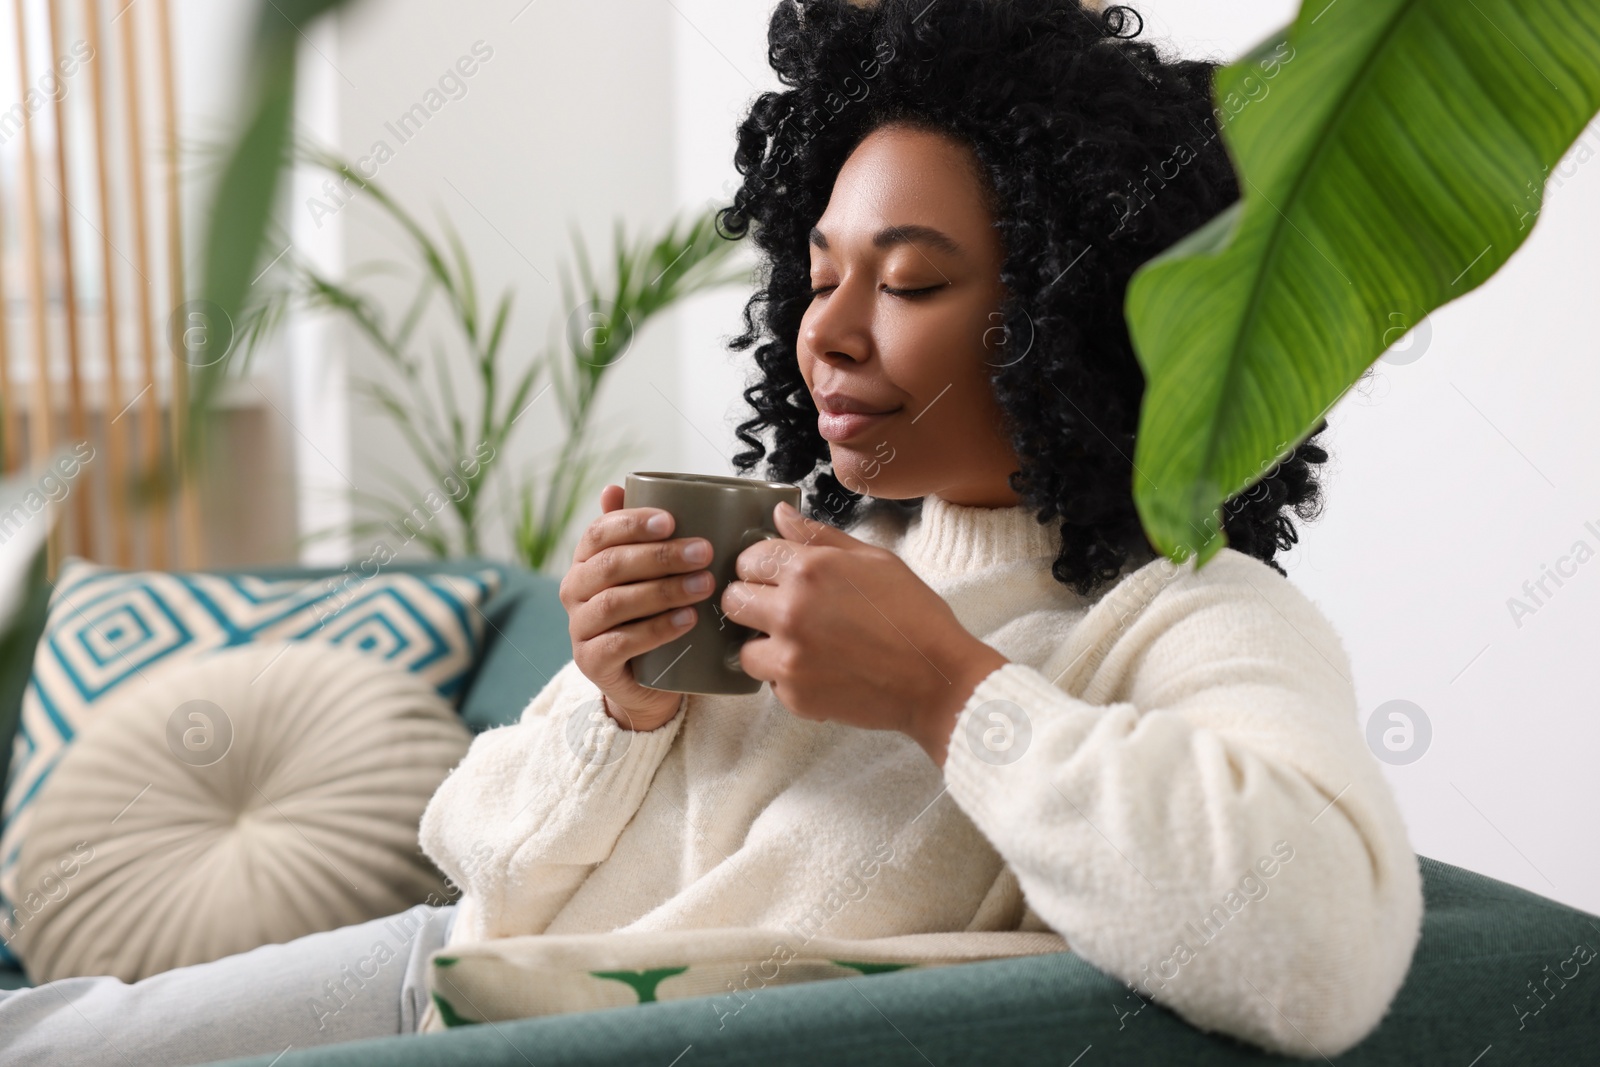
842 426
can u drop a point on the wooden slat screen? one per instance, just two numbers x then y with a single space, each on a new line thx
87 368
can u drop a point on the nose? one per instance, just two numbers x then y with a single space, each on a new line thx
839 325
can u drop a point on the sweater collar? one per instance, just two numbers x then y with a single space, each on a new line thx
945 537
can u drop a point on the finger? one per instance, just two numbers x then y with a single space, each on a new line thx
623 526
619 604
611 498
622 564
757 658
765 561
615 647
751 604
796 527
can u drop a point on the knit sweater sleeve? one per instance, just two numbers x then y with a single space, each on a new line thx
1204 822
534 806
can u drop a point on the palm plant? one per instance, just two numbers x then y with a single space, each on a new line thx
460 441
647 277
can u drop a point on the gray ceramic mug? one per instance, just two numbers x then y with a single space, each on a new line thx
733 514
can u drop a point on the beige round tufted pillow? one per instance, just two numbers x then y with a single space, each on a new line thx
246 798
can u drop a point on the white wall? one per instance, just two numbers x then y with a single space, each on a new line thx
1453 479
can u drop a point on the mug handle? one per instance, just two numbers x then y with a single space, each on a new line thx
750 537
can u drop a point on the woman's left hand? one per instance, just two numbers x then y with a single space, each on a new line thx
852 634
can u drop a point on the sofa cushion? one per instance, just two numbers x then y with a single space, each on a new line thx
107 629
525 638
237 799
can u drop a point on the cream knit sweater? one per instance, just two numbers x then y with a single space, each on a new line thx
1170 776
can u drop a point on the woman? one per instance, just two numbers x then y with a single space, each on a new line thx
950 200
973 661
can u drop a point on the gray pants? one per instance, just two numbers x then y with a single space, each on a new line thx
366 980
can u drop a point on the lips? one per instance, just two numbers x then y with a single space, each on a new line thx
844 404
842 426
841 417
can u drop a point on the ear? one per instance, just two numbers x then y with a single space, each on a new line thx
796 527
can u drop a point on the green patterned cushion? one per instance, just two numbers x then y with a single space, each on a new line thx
521 977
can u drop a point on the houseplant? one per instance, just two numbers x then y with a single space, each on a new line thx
459 441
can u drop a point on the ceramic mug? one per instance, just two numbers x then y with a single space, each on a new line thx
733 514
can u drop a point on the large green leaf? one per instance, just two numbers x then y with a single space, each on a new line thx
247 189
1391 154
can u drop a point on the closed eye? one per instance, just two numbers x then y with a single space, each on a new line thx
905 294
911 294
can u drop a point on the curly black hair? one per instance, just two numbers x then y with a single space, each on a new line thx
1078 130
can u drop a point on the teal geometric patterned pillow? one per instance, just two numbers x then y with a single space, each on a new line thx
108 628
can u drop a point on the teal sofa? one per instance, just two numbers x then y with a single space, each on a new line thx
1468 1001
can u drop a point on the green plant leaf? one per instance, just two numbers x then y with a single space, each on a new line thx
21 622
1391 154
238 223
241 206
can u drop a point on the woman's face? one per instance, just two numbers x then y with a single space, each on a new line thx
904 320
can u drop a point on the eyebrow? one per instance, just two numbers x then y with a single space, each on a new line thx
890 236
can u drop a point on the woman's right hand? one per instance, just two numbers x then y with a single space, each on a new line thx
629 590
